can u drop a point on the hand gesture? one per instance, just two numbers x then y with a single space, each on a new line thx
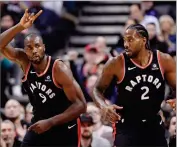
109 113
41 126
28 19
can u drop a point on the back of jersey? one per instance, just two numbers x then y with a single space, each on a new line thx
142 89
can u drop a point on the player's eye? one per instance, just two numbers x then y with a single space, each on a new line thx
37 45
29 47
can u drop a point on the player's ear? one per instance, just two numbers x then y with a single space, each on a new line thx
145 40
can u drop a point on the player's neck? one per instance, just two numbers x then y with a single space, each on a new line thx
143 57
39 68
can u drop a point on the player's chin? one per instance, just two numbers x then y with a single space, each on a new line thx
38 61
129 54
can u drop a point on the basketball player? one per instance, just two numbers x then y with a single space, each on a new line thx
141 76
56 98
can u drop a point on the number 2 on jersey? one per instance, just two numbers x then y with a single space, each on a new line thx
144 95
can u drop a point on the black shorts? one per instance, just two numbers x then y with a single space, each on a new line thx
63 136
142 134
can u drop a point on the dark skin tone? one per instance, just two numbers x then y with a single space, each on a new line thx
135 49
34 53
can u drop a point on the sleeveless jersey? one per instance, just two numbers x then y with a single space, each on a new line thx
141 90
46 97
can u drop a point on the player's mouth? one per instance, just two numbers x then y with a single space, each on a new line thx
127 51
36 56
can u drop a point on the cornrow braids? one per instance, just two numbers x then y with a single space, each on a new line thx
141 30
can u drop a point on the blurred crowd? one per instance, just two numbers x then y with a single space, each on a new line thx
58 21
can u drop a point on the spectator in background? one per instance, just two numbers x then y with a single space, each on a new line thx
6 68
99 129
22 112
172 132
90 82
12 8
148 8
155 43
70 59
29 113
89 65
55 6
7 21
168 32
137 14
48 25
8 135
13 113
120 44
103 50
14 80
87 138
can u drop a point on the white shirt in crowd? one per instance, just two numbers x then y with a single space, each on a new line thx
151 19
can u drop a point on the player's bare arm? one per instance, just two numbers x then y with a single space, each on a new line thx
169 67
104 80
15 54
72 91
65 80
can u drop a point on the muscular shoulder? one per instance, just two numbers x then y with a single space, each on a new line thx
166 60
61 70
114 63
164 56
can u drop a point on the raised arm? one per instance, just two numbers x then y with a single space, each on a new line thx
15 54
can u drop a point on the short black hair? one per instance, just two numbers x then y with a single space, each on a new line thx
33 35
141 30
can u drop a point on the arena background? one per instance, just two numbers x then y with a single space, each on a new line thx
85 34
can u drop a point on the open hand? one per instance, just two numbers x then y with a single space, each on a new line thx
109 113
41 126
28 19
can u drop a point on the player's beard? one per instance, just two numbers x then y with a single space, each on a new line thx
38 61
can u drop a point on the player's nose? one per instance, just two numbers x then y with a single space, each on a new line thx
126 45
34 51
